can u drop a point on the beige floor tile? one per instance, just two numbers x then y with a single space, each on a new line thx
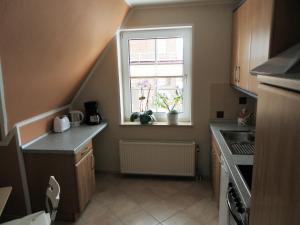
108 196
96 214
123 206
163 189
181 219
214 222
130 186
199 190
183 200
68 223
204 211
139 218
162 209
144 197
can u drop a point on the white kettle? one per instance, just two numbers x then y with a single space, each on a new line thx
61 124
76 118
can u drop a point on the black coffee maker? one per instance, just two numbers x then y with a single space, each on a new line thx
92 114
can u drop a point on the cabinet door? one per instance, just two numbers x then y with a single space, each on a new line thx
275 198
244 33
235 54
261 26
85 176
216 167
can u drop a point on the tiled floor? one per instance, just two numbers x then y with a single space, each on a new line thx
149 201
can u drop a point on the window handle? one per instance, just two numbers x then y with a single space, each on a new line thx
185 77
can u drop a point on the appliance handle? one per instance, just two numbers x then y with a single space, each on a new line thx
238 222
82 116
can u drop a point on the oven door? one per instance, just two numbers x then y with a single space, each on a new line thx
237 212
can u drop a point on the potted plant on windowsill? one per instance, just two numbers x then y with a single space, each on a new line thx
145 115
170 103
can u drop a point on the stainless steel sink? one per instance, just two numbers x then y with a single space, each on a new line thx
240 142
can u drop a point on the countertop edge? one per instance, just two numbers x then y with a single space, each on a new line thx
216 128
74 150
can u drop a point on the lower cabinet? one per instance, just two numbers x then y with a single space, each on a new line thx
85 179
215 169
74 172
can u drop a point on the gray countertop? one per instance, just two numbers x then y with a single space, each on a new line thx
233 160
67 142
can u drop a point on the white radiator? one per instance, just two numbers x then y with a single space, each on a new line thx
157 158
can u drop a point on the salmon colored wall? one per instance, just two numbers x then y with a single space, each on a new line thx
47 47
34 130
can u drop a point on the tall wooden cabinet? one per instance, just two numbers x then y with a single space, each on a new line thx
275 198
261 29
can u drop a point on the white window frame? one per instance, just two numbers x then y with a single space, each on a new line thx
123 38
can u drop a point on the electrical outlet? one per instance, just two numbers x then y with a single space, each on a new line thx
220 114
243 100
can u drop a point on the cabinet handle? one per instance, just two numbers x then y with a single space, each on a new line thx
86 149
93 162
239 77
235 78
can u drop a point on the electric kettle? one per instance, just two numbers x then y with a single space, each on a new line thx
76 118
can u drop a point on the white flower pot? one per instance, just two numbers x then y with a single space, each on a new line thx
172 118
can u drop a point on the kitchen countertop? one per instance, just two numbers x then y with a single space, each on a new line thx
68 142
233 160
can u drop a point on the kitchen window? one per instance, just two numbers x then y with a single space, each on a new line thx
155 67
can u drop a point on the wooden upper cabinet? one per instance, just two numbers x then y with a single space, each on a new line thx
241 46
262 29
244 45
235 55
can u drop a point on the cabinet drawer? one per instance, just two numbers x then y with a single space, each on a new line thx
83 151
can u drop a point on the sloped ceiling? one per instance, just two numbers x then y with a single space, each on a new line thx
47 47
162 2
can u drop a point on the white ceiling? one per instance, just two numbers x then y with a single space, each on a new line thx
163 2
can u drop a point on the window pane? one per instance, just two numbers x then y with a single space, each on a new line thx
142 50
145 84
169 83
169 70
142 70
161 89
169 49
156 70
138 104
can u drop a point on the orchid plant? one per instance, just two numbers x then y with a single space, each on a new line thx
169 103
145 86
145 115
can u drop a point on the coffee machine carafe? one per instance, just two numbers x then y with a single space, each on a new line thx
93 116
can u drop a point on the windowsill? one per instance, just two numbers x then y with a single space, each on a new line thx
164 124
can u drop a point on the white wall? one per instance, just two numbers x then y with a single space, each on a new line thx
211 65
